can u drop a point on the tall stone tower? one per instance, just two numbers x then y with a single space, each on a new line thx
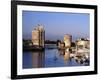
67 40
38 36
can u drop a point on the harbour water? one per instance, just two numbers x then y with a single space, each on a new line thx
52 57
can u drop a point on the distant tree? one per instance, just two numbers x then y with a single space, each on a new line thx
58 41
73 44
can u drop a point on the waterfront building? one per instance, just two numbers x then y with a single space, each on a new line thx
67 40
83 43
38 36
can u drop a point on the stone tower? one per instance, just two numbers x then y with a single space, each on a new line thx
67 40
38 36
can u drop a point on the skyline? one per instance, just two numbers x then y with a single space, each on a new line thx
56 24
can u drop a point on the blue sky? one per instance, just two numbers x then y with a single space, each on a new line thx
56 24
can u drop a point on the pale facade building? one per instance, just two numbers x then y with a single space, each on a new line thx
67 40
83 43
38 36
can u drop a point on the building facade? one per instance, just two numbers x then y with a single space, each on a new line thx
38 36
67 40
83 43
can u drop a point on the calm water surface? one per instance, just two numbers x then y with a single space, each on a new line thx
50 58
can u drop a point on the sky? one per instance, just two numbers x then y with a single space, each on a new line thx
56 24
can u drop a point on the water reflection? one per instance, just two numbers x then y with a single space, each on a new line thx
38 59
33 59
80 58
54 58
65 54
